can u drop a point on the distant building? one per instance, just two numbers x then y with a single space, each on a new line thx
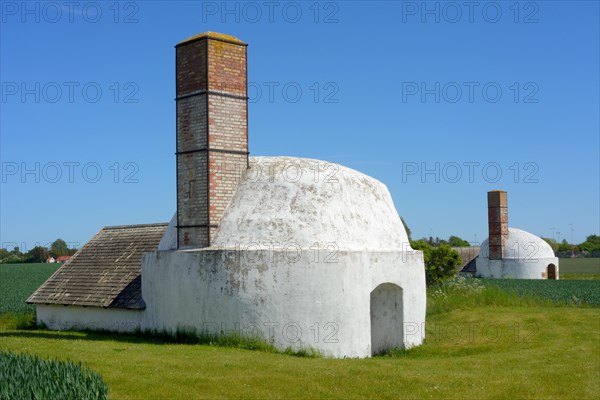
50 260
63 259
510 252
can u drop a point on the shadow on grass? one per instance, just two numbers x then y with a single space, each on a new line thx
180 336
77 335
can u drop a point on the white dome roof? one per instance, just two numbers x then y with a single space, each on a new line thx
306 203
521 245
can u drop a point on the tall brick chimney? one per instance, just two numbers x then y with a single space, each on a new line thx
498 223
212 132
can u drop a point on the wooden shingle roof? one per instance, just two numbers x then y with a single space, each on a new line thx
105 272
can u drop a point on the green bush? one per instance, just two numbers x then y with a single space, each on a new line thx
24 376
440 262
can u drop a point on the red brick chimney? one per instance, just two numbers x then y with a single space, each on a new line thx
212 132
498 223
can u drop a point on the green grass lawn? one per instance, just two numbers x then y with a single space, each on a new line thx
484 353
483 342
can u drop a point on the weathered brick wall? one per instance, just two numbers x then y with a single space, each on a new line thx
192 199
227 123
212 132
497 223
227 67
191 67
192 118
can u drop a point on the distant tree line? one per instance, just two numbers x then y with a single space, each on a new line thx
589 248
453 241
37 254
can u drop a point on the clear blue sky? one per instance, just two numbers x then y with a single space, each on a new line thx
377 68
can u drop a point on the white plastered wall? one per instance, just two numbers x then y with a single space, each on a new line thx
515 268
297 303
59 317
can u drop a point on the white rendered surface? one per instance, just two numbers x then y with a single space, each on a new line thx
526 256
309 254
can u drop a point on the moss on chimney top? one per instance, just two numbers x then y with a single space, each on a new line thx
212 35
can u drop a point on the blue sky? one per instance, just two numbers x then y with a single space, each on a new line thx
434 99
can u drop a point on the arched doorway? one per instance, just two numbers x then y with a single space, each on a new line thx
386 318
551 271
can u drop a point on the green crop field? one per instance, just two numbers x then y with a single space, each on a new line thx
18 282
485 340
24 376
560 291
579 268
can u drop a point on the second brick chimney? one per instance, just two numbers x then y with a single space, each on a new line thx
497 223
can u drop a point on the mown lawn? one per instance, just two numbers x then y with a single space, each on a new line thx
483 342
491 352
